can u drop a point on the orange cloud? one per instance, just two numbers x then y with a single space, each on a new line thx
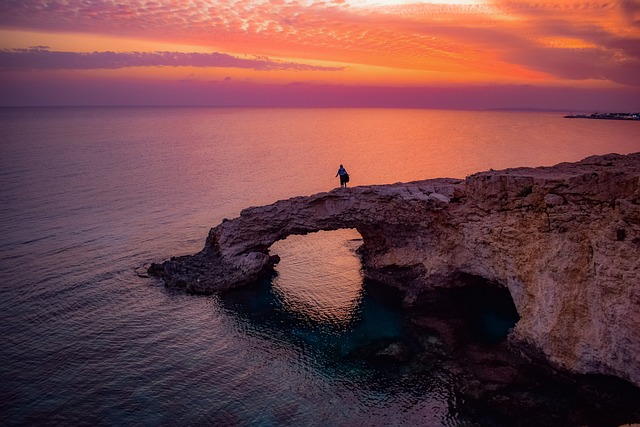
555 42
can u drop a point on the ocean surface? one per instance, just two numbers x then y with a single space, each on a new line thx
90 196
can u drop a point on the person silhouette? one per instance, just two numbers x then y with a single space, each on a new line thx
344 176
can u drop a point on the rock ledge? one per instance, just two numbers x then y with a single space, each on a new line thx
564 240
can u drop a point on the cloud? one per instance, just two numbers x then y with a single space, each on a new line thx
560 39
41 58
631 11
582 64
577 40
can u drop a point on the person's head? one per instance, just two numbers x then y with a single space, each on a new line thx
341 166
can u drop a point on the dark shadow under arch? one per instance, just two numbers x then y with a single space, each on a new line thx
489 309
468 311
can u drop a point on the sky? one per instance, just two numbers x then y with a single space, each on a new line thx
572 55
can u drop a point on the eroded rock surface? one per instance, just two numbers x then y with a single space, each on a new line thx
564 240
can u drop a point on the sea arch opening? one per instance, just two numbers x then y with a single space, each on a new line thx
320 287
320 274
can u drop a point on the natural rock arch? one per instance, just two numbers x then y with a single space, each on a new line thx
236 252
564 240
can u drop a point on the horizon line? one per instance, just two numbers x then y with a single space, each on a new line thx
309 107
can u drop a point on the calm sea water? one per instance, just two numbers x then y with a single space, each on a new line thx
89 195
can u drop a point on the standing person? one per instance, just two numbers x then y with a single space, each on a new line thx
344 176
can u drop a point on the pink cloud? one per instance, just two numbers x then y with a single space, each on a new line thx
41 58
580 64
425 37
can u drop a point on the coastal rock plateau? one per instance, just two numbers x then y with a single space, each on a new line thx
564 240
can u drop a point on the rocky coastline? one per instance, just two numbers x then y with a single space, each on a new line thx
563 241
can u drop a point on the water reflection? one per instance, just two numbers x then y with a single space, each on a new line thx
370 324
318 297
351 356
320 275
319 303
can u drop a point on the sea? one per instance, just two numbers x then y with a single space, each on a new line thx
89 197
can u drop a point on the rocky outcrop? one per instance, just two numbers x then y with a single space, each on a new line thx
564 240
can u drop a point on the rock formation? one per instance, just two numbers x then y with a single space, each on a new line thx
564 240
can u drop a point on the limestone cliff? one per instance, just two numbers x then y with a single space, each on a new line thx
564 240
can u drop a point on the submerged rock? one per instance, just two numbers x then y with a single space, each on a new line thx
395 353
564 240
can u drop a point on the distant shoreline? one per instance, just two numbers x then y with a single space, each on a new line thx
605 116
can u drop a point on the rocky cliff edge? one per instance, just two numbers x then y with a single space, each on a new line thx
564 240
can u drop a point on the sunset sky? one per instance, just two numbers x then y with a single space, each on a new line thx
554 54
